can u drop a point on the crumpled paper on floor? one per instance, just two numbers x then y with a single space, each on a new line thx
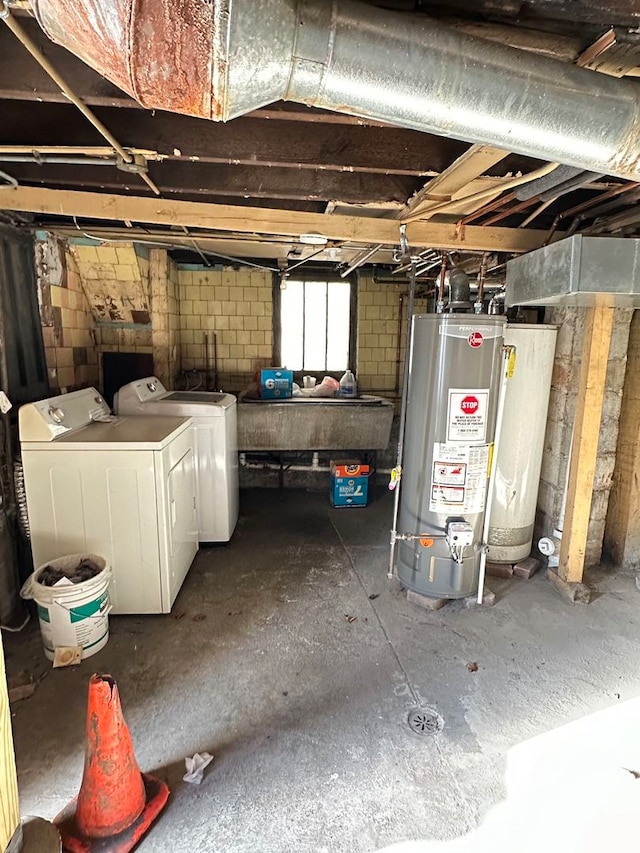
196 766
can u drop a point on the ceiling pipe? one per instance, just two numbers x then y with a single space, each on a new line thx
225 58
587 205
21 34
52 158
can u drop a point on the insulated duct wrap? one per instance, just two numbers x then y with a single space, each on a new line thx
224 58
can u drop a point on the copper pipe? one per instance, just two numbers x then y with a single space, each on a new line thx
498 202
481 276
586 205
523 205
610 207
443 271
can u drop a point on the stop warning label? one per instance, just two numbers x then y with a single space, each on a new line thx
470 404
467 415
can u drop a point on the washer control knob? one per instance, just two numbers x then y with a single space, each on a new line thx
56 414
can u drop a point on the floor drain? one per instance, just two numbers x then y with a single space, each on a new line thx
425 722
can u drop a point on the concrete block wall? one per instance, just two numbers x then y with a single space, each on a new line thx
238 307
115 279
116 282
67 323
185 303
378 311
165 316
557 448
99 298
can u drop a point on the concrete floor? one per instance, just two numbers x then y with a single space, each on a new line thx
306 711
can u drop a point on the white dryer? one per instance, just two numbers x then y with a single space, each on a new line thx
216 446
123 488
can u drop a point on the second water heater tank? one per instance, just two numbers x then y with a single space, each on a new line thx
519 459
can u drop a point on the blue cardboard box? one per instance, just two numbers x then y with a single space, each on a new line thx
349 483
276 384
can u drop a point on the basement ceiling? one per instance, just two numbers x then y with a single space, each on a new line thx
287 157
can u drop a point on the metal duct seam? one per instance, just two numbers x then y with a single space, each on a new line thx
222 59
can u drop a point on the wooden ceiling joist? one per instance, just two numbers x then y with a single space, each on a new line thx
476 160
250 220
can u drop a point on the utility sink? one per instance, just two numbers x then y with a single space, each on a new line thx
314 423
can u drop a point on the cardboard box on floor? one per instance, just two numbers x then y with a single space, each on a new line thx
349 483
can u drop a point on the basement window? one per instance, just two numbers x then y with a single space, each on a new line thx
316 328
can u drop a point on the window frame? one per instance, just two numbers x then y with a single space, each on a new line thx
315 274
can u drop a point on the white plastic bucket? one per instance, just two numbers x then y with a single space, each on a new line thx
74 615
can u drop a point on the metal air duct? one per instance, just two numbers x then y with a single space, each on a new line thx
579 271
224 58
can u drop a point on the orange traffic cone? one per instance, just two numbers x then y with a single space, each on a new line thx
117 804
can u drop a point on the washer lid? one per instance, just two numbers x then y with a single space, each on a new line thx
201 398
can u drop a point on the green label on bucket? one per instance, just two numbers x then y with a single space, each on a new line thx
77 614
43 613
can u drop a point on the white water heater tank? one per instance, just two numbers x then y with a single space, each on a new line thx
519 459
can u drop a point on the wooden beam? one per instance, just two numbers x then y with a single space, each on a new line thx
616 52
557 46
249 220
476 161
586 434
9 810
452 180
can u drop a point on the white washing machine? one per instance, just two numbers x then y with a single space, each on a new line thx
123 488
216 446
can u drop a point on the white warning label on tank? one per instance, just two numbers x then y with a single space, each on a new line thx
459 478
467 415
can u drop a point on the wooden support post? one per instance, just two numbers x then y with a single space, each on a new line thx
586 434
9 810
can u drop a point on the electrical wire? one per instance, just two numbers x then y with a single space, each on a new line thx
165 244
195 246
11 181
304 260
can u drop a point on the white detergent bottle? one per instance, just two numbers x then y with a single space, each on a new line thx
348 386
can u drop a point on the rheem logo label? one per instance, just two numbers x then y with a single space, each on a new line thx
475 340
